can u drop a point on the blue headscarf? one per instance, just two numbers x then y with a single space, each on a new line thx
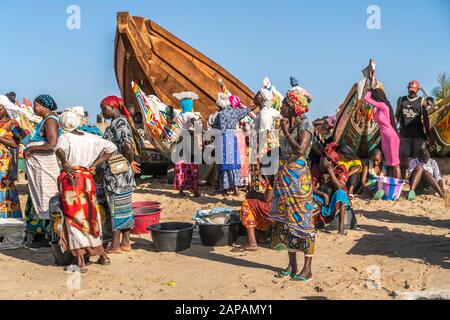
187 105
294 81
46 101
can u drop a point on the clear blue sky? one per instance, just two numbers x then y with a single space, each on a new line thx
324 43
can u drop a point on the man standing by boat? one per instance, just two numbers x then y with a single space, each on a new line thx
414 126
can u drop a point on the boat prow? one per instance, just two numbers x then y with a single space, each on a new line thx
163 65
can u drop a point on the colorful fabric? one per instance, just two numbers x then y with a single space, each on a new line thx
293 201
297 101
118 103
9 198
351 164
187 176
235 101
46 101
372 176
121 208
331 153
282 239
255 214
35 225
243 157
322 180
78 199
327 214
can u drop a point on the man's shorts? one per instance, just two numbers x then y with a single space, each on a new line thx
410 147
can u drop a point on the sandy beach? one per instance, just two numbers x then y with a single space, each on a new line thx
408 242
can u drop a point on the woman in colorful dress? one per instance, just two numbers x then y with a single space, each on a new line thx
80 153
187 172
330 188
390 139
374 168
119 187
294 228
10 136
42 167
226 121
255 216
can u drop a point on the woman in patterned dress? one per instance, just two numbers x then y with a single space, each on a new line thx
119 188
10 136
292 206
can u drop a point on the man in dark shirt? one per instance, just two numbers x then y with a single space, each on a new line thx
414 126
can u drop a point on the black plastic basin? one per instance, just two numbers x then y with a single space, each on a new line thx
62 259
217 235
172 236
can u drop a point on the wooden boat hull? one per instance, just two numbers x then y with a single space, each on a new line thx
162 65
355 126
440 128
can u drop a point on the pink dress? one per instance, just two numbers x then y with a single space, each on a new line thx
389 138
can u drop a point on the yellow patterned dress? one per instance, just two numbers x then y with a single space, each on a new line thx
292 208
9 198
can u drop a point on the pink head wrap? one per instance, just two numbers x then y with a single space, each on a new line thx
235 102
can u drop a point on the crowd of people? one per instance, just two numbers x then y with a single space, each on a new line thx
81 184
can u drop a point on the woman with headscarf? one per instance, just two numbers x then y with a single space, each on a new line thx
187 172
80 153
349 159
41 165
390 139
10 136
226 121
119 185
330 188
294 228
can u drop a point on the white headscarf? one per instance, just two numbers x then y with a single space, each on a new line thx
69 121
186 95
223 101
11 109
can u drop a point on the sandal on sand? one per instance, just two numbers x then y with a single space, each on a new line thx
283 275
299 278
378 195
412 195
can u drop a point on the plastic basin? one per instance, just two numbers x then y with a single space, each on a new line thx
146 204
216 235
172 236
144 218
62 259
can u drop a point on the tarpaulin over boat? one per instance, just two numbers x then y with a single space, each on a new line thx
161 64
355 125
440 128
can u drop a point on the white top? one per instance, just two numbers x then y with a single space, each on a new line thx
83 150
184 119
431 166
265 119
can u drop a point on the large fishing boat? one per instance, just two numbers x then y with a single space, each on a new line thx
161 64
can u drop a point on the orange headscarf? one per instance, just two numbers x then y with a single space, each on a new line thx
297 101
118 103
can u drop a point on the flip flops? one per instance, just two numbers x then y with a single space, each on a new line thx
299 278
412 195
283 275
378 195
